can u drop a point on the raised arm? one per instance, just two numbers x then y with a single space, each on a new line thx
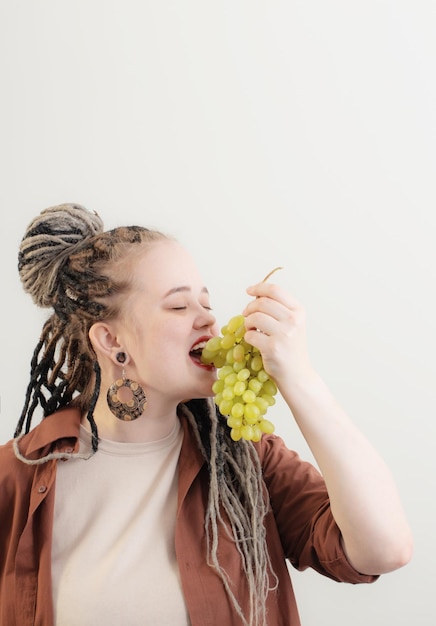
363 495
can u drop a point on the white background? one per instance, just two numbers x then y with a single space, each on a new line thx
267 133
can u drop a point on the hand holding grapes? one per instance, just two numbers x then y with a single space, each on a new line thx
275 324
246 385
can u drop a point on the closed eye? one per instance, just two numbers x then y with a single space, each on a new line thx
184 307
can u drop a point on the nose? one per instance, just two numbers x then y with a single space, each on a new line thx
205 318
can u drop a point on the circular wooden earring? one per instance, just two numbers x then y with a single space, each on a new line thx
133 408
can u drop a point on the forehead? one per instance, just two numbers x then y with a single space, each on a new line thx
165 265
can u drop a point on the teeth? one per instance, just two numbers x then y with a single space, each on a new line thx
198 346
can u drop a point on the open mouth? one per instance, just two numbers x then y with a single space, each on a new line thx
196 351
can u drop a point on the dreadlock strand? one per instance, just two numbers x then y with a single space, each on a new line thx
57 366
238 505
29 391
238 527
37 398
75 359
56 398
34 395
93 402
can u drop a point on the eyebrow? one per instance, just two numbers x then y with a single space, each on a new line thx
181 289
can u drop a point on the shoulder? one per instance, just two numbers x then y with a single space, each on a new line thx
49 434
15 477
20 458
7 459
31 448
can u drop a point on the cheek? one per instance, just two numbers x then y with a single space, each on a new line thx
156 342
163 341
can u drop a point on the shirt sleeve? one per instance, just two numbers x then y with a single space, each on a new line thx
299 500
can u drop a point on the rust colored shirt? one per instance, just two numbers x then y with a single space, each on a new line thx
300 528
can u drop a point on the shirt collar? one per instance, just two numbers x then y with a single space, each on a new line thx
64 424
63 427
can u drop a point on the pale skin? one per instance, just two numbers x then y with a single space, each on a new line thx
167 312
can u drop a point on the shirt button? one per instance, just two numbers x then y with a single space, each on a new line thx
42 489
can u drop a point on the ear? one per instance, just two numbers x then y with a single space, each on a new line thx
104 340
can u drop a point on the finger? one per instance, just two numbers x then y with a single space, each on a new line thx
266 306
261 322
257 339
274 292
282 309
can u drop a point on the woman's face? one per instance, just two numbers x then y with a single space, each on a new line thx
166 320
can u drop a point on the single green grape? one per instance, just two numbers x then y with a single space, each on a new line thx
239 387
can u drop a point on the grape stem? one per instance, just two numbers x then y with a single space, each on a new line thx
271 273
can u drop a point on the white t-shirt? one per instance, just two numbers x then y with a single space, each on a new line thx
113 560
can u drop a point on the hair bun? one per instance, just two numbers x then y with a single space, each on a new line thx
49 240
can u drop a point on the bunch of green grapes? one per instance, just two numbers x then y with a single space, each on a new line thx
243 391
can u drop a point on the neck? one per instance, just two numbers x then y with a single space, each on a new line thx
156 422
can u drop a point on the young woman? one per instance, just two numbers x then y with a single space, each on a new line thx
129 502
